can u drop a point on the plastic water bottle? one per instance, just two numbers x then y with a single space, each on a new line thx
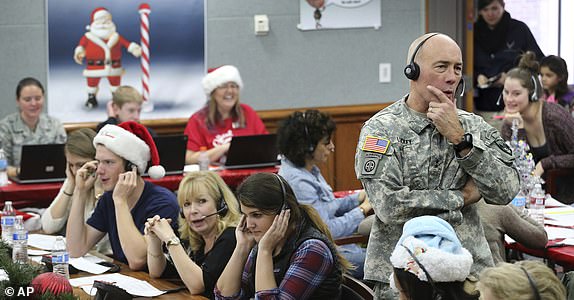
203 159
20 242
8 222
3 168
537 197
519 201
60 258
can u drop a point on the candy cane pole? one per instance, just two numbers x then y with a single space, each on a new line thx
144 11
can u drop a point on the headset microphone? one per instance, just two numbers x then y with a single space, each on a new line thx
215 213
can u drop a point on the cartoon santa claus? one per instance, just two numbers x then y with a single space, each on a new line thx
102 48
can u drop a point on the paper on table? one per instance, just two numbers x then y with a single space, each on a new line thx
559 216
133 286
85 265
35 252
42 241
551 202
559 232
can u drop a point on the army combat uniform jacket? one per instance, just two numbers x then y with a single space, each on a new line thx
409 169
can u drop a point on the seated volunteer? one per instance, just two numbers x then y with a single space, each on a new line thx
208 215
429 262
222 117
527 279
126 105
283 251
79 149
29 125
122 154
305 140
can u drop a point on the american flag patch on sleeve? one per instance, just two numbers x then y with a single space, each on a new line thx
376 144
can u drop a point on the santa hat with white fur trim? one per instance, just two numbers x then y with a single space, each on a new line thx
434 244
132 141
221 75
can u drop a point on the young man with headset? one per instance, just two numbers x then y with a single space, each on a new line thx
423 156
122 155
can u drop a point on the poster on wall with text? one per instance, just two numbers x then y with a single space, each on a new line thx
155 46
339 14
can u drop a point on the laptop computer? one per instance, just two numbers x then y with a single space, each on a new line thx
252 151
171 150
42 163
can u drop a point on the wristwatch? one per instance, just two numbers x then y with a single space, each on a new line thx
465 143
174 241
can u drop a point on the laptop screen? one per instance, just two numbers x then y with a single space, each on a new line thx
252 151
42 163
171 150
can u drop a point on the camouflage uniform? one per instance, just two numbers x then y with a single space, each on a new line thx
14 133
418 174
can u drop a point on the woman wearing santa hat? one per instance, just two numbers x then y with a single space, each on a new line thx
223 116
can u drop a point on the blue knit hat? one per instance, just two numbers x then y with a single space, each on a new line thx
436 247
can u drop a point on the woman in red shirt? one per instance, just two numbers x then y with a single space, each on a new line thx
221 118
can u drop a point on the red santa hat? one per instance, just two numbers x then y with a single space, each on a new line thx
132 141
219 76
99 12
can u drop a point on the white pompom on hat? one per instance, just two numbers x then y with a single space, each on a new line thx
132 141
219 76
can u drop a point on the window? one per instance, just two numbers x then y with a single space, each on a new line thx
550 24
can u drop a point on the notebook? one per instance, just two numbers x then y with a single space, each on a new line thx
252 151
171 150
42 163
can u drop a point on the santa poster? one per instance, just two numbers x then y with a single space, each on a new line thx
155 46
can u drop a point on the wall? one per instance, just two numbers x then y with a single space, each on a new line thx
286 69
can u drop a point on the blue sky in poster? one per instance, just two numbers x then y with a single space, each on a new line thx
177 56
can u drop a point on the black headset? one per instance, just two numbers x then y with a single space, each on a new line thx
221 206
285 205
412 70
436 292
534 95
310 147
532 284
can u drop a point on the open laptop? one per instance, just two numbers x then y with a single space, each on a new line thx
42 163
252 151
171 150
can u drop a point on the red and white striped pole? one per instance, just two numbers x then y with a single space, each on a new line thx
144 11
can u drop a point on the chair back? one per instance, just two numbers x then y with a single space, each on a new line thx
354 289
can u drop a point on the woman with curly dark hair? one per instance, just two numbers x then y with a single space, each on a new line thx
314 130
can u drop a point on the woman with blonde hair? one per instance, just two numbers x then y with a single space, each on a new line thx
79 150
283 251
222 118
525 280
209 212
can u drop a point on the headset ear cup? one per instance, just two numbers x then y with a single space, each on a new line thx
412 71
222 211
460 88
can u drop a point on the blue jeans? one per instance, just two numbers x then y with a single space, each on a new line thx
356 256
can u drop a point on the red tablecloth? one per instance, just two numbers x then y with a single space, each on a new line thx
42 194
562 255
